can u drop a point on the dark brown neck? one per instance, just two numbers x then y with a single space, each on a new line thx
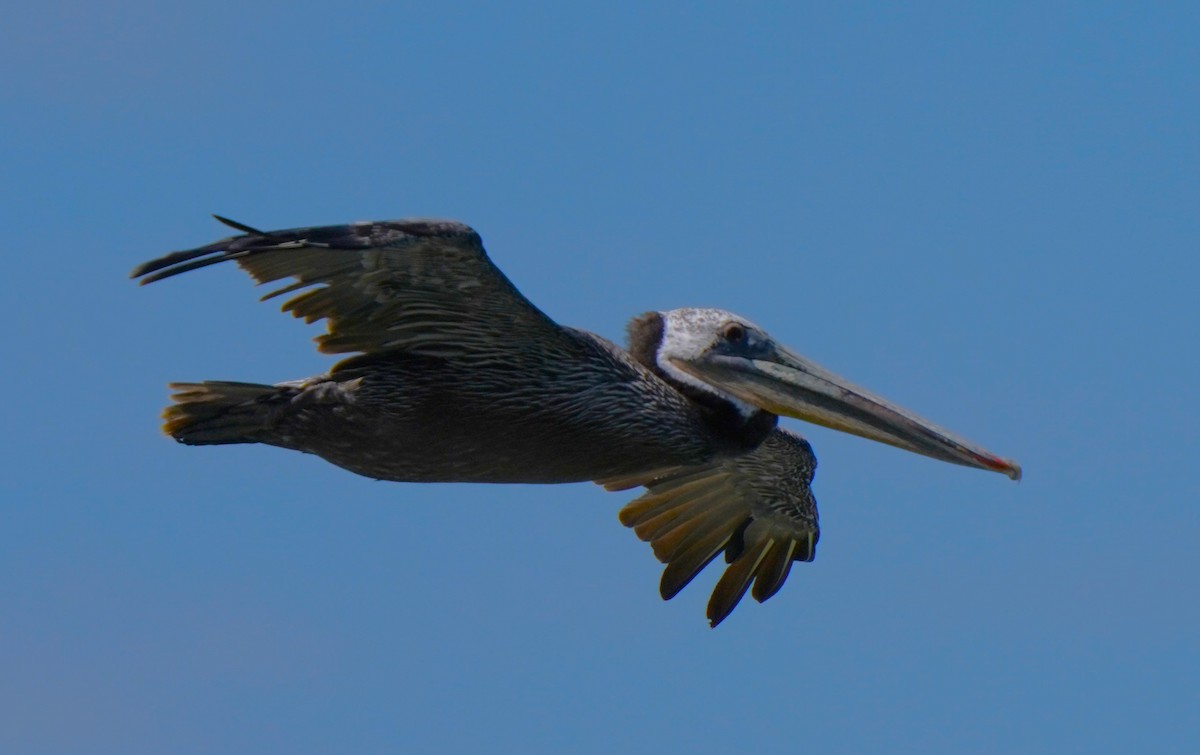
743 432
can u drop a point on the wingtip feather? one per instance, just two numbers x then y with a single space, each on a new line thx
238 226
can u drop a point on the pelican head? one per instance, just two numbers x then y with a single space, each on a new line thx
727 355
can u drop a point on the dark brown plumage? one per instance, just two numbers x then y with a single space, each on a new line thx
459 378
455 376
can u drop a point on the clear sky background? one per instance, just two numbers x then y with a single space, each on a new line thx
987 213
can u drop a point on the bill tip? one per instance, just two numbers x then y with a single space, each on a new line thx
1013 470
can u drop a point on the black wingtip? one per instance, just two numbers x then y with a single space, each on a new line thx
171 264
238 226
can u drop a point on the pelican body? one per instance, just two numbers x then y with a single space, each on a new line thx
456 377
582 411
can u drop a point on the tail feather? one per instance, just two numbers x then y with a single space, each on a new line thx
217 412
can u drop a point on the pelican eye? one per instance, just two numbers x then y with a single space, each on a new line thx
734 333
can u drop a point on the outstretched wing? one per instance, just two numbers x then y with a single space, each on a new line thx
758 509
424 286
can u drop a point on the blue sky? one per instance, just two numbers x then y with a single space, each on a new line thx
987 213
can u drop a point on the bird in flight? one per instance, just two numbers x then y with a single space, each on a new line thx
454 376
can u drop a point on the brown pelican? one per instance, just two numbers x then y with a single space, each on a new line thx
457 377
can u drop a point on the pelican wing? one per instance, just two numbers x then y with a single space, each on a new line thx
423 286
758 509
